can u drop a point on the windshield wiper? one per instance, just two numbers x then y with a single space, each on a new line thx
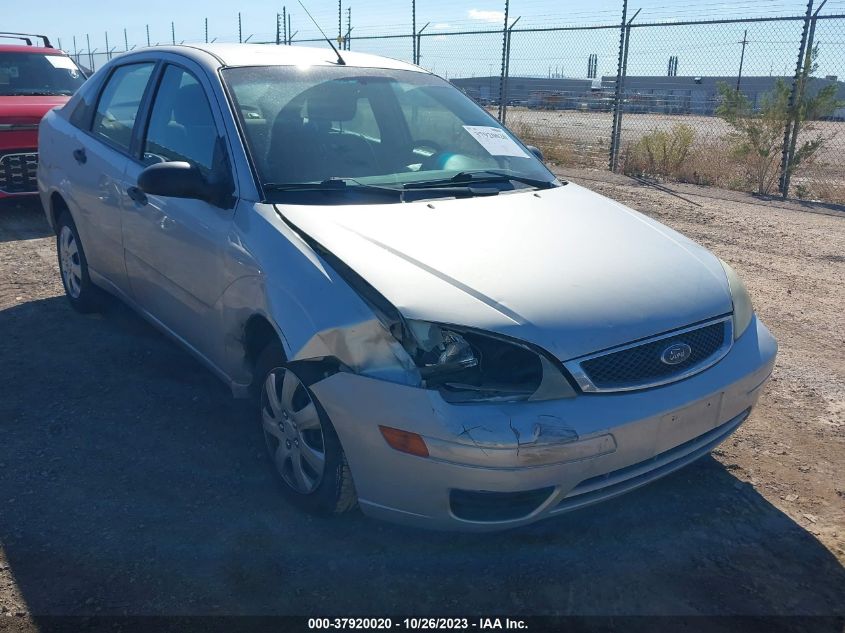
333 184
480 177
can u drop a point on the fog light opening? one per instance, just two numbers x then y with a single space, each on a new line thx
404 441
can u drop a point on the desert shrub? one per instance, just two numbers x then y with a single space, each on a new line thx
757 135
555 150
660 153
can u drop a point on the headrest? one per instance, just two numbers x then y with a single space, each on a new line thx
188 106
333 101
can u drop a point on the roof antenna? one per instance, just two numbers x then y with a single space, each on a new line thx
339 58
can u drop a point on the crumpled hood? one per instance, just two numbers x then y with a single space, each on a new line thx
566 269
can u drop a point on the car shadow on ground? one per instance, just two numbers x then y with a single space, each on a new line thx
131 483
22 219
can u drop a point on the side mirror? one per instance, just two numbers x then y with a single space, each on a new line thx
536 151
176 180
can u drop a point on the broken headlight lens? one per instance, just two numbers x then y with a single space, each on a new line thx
470 366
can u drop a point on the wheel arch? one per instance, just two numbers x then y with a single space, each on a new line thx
58 205
258 334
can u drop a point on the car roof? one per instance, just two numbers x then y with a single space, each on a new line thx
280 55
23 48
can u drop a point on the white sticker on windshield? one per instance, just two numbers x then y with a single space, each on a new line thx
495 141
60 61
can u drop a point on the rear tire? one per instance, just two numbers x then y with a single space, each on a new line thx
301 441
83 295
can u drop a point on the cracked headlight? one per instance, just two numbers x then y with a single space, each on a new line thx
743 310
466 365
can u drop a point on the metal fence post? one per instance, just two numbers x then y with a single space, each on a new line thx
617 96
619 105
796 113
504 97
786 157
504 62
419 42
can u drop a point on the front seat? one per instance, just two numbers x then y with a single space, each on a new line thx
190 132
308 148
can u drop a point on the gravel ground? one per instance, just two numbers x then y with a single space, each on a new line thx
131 483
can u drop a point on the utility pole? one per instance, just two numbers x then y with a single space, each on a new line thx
744 42
240 29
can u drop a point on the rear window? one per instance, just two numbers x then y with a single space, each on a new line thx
36 74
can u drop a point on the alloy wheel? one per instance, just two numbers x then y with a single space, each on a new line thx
293 431
70 262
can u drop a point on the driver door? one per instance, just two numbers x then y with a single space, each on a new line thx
174 248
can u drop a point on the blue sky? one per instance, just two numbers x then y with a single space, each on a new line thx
701 50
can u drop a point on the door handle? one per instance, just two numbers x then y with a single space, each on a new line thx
79 155
137 195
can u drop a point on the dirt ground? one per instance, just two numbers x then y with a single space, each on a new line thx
131 483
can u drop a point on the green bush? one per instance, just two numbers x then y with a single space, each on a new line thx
661 153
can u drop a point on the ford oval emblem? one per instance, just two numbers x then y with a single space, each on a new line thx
676 353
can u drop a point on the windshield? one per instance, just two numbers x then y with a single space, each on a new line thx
374 130
38 74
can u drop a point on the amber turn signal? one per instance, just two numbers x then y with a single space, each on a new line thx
404 441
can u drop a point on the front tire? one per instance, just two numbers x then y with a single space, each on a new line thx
83 295
301 440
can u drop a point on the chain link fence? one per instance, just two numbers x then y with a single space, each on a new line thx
712 102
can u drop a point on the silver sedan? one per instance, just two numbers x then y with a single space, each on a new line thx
432 326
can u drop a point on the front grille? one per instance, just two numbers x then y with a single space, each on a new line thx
18 173
641 366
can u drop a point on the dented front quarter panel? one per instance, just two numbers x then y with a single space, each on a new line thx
314 311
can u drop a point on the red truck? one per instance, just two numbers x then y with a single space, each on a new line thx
33 79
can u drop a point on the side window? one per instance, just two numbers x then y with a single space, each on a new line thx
83 105
115 115
181 124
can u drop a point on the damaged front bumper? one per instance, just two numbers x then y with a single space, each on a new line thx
492 466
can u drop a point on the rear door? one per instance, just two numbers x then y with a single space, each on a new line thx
176 248
99 154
